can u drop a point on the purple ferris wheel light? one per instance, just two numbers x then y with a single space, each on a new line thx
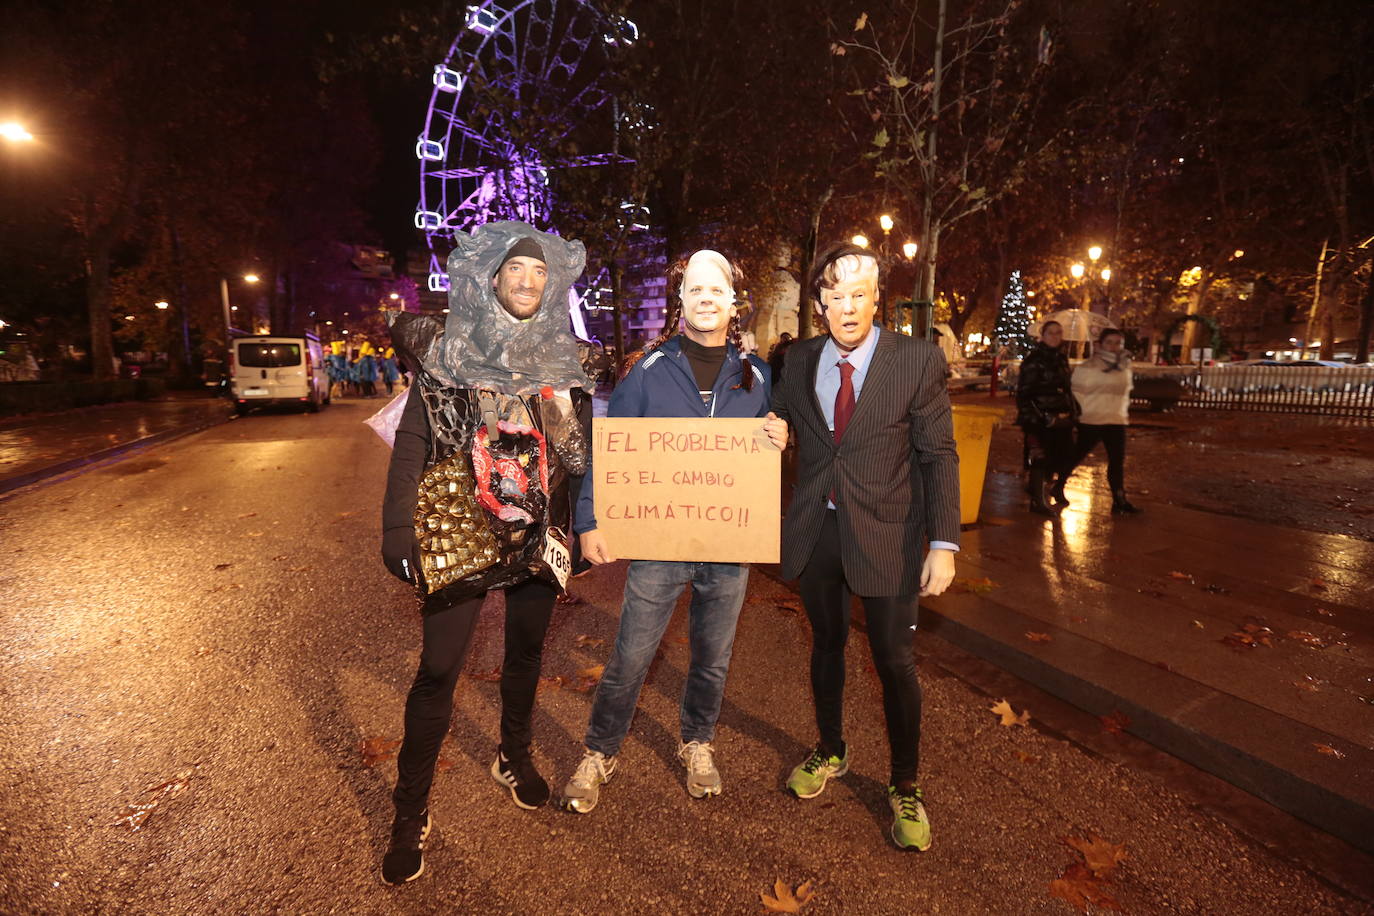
546 55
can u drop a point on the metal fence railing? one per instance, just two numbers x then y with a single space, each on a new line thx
1343 391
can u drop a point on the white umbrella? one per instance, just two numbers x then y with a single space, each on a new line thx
1078 324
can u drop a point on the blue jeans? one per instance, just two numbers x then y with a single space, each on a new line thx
651 591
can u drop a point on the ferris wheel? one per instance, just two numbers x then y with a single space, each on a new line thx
522 76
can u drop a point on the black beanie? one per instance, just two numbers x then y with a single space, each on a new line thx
526 247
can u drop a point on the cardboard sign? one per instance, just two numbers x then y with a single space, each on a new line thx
700 490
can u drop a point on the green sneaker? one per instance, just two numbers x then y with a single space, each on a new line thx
910 826
809 778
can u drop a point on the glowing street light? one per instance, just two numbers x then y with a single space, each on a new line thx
1095 252
1106 274
1077 271
860 240
14 132
394 296
128 317
163 304
1238 253
886 222
250 278
909 249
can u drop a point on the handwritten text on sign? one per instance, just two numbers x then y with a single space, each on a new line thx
701 490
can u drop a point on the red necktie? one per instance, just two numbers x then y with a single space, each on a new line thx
844 399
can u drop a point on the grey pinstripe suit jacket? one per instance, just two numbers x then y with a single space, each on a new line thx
895 476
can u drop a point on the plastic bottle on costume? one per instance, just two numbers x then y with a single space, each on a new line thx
563 431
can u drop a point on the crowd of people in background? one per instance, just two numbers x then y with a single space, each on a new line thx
355 372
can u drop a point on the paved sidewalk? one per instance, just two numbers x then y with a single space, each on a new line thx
1243 648
37 447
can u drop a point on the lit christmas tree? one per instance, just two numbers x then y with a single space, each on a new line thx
1013 321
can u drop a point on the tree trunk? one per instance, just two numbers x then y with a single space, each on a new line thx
806 319
1366 320
930 231
1193 330
1328 347
181 342
98 308
617 315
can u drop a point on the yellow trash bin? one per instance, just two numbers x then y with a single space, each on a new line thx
973 428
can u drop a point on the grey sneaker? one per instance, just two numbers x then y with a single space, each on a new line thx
583 790
703 778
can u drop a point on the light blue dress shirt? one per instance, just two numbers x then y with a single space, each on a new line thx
828 388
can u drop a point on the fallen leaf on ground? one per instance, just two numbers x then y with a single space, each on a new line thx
1175 574
248 515
1009 717
1199 624
978 586
1309 685
784 900
349 514
136 814
493 675
375 750
202 651
1099 855
595 671
219 566
299 569
1319 585
443 764
1306 638
589 642
1249 636
252 534
1329 751
1080 889
1038 637
1116 723
1024 757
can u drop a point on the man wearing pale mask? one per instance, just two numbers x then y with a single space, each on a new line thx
700 372
877 476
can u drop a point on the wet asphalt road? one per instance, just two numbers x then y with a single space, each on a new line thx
212 614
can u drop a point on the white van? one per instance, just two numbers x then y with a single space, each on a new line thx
268 369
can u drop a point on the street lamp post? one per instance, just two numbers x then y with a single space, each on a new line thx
14 132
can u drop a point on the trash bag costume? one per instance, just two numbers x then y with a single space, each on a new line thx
488 456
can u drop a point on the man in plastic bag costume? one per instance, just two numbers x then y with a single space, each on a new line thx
494 433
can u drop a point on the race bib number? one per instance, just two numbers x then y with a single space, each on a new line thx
558 557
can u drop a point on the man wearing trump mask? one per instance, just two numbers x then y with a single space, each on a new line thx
700 372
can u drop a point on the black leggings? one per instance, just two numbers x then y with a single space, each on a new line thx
891 630
1050 449
1113 436
448 630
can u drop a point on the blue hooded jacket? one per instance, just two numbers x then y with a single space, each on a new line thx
662 385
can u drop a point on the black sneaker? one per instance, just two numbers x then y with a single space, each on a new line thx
405 860
527 787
